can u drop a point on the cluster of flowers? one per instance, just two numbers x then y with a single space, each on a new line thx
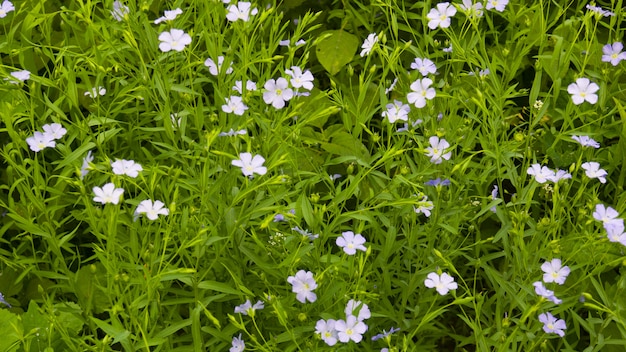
543 174
111 194
553 271
441 16
613 225
350 329
46 139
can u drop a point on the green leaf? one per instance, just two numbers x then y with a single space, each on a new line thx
336 50
10 330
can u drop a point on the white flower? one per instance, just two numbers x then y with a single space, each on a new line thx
541 173
326 330
472 9
300 79
20 76
424 206
437 150
397 111
498 5
277 92
232 133
237 345
250 86
241 11
615 231
425 66
168 16
586 141
361 309
175 39
350 329
126 167
40 141
559 175
54 130
605 214
554 271
119 11
593 170
250 165
303 285
583 90
420 92
215 69
107 194
443 283
84 169
152 210
351 242
368 44
234 105
247 308
95 92
440 17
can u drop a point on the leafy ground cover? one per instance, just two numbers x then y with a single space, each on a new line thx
312 176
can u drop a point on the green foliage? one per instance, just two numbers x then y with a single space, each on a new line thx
78 275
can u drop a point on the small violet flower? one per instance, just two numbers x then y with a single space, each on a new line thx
397 111
542 291
385 334
542 173
425 66
350 242
237 344
303 285
248 309
586 141
5 8
119 11
326 330
84 169
19 76
437 150
40 141
593 170
424 206
613 53
605 214
551 325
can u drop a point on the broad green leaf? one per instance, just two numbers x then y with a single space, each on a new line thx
336 50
